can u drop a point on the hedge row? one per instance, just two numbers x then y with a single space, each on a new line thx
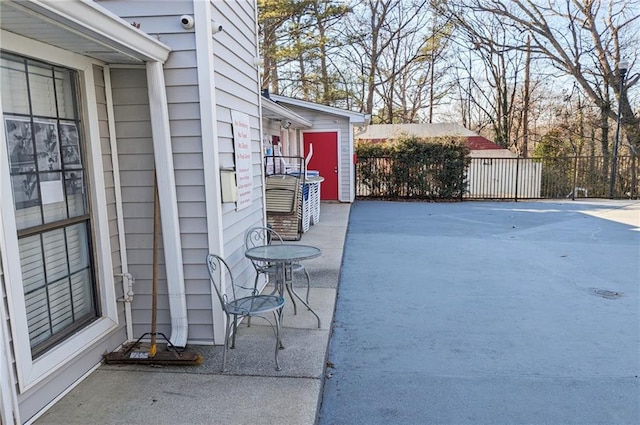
412 168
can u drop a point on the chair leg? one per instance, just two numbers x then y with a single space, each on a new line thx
255 287
226 344
255 282
235 331
278 341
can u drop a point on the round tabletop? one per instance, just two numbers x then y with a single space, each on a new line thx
283 252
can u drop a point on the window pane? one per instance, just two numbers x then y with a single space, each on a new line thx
32 263
15 97
25 187
19 144
64 94
43 101
60 305
38 316
82 293
47 147
78 247
28 217
56 258
70 146
75 193
53 206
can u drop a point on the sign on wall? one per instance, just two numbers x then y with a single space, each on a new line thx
242 146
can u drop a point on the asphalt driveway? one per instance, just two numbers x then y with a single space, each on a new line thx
487 313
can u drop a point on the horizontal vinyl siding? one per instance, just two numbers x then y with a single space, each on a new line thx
181 80
136 162
237 89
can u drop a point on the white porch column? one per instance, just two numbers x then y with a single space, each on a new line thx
168 203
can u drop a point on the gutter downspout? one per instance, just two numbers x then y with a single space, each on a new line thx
163 156
210 154
127 278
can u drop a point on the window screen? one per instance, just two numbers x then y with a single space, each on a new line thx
50 198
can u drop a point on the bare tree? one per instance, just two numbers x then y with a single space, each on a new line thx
400 44
501 70
584 39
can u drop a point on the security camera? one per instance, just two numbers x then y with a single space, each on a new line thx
215 27
187 22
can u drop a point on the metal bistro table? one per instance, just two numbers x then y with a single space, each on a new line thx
284 255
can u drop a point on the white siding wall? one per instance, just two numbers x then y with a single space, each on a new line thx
135 158
236 89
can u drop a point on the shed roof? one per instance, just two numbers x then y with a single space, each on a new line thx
273 111
354 117
392 131
378 133
479 143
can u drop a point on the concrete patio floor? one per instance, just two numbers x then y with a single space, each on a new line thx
251 391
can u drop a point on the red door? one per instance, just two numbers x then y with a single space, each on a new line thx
325 160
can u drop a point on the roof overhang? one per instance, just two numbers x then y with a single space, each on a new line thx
353 117
391 131
272 111
83 27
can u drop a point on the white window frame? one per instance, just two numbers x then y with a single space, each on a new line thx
31 372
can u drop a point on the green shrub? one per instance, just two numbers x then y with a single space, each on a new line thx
413 167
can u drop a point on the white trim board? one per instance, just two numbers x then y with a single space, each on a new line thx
30 372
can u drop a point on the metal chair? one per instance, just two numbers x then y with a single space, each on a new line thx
239 301
259 236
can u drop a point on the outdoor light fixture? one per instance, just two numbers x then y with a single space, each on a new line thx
623 65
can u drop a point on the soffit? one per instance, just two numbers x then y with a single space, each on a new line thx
275 112
81 27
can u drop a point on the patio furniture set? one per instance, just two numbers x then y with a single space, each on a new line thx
270 255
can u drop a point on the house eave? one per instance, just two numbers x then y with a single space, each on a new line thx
113 38
272 110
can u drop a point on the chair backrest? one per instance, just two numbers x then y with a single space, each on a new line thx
282 193
219 274
260 236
